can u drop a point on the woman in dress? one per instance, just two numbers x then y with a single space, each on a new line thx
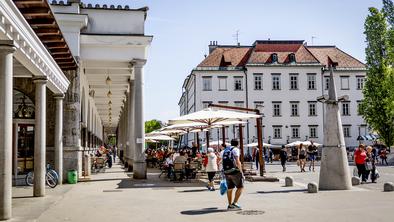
211 168
302 157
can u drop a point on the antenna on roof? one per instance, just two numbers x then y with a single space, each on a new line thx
236 36
313 37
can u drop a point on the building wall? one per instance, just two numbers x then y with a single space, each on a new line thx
285 96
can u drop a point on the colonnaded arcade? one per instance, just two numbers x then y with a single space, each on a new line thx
91 64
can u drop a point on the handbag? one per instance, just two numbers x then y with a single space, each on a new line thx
368 165
355 172
377 174
223 185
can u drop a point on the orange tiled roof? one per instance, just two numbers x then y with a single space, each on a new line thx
226 56
264 49
344 60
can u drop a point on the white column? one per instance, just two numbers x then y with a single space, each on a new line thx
40 137
6 54
131 125
59 136
139 165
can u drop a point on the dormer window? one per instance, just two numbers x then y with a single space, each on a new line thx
292 58
274 58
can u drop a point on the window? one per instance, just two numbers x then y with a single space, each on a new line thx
238 83
222 83
276 108
258 81
205 104
346 131
293 81
295 131
292 58
277 132
311 81
360 82
294 108
274 57
275 81
312 108
223 102
345 108
207 83
344 82
312 131
239 103
358 107
326 82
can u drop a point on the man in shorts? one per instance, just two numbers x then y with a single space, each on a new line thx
234 175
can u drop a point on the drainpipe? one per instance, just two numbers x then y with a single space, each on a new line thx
322 93
247 103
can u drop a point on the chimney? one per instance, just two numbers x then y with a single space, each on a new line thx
212 46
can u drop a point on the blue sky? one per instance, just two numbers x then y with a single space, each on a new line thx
182 30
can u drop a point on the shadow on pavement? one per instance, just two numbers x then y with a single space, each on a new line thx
203 211
282 191
100 180
192 191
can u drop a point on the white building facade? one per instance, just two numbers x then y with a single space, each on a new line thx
282 79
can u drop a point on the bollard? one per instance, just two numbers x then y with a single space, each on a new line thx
388 187
312 187
356 181
289 181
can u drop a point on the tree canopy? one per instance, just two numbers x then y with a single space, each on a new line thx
377 107
152 125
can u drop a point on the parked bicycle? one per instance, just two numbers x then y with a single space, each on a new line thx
51 177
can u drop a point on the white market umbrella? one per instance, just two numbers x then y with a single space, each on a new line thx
215 143
307 143
159 137
256 144
211 116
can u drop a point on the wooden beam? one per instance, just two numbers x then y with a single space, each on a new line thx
49 39
62 56
36 12
56 45
30 3
59 51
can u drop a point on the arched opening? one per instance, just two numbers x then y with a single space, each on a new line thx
23 133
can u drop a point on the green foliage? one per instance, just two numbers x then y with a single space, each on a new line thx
152 125
378 103
112 141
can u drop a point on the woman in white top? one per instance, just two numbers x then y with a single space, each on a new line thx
212 168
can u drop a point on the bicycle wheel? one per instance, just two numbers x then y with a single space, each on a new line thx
29 179
52 178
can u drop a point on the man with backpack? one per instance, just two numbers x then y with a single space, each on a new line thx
232 169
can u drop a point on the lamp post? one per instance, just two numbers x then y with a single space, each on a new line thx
288 140
306 138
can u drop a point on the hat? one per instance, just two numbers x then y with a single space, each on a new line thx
210 150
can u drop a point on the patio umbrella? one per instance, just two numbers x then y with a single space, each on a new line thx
211 116
159 137
256 144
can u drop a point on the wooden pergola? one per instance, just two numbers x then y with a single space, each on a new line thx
41 19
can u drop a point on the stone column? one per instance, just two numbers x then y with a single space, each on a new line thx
6 72
131 126
40 136
334 169
139 165
72 153
126 130
59 136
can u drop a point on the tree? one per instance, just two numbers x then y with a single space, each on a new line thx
378 103
152 125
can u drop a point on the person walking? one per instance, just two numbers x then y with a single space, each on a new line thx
211 168
232 169
256 157
312 153
114 150
359 159
370 164
302 157
383 155
283 157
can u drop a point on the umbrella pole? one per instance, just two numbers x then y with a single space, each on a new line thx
207 138
198 140
260 145
224 134
241 142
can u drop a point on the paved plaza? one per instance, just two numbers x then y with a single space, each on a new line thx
115 196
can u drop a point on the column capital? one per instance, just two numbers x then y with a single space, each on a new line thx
138 63
7 46
58 96
40 79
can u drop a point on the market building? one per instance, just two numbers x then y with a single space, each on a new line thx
281 78
68 73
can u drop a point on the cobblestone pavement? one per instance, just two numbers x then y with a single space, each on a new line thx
115 196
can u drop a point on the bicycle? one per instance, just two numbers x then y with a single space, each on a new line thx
51 177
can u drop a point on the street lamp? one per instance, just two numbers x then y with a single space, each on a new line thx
306 138
288 140
269 140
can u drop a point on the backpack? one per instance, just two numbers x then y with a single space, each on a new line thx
229 161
